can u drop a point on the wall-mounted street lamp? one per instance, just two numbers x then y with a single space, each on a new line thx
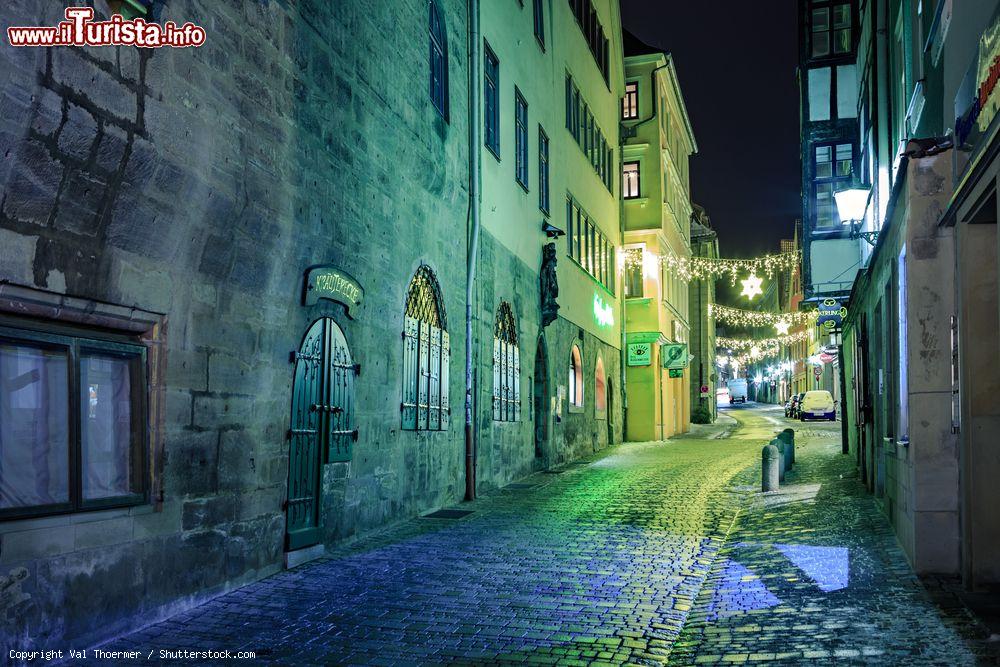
851 206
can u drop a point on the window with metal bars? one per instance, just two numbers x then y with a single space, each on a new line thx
506 367
426 356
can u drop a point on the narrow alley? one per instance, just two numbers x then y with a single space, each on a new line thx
645 553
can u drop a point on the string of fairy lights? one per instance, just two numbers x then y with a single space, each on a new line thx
702 268
757 318
750 343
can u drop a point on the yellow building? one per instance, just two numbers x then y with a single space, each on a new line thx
657 203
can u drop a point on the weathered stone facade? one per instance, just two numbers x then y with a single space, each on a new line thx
197 185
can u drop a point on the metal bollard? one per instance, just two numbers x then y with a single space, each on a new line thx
769 463
777 444
788 435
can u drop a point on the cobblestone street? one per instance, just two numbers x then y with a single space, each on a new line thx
647 553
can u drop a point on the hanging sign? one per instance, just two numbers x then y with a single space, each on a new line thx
674 355
676 372
640 354
831 314
326 282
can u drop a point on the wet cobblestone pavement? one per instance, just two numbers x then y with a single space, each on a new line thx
648 553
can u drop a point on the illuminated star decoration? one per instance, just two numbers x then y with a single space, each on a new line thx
751 286
782 328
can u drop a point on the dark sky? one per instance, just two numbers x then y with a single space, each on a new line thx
736 63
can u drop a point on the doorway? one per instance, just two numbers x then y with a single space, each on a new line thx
320 428
541 400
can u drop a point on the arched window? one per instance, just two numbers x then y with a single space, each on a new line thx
438 59
506 367
576 378
426 354
600 388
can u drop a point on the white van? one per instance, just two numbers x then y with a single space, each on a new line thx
737 390
817 404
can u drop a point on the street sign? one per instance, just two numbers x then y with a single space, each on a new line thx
640 354
675 372
817 371
704 390
674 355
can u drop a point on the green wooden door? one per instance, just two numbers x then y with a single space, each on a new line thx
320 430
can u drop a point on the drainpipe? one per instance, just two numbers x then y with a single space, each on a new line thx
475 197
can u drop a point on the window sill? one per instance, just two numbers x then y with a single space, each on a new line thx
574 409
523 186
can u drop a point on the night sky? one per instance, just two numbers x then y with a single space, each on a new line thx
736 63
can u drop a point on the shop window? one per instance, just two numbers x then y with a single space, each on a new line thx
575 378
426 356
72 422
506 367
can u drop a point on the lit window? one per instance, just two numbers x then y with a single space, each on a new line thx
630 103
575 378
630 180
633 273
600 388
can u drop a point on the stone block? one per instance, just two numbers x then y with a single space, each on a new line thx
237 461
208 513
227 373
187 369
95 84
102 533
178 407
192 464
46 111
18 257
32 185
80 204
155 524
78 133
213 412
111 149
39 543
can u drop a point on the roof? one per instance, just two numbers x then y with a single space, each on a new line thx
633 46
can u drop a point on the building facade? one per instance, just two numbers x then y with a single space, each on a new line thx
553 79
828 38
657 203
921 357
701 296
233 290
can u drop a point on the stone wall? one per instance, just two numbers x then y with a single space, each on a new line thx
197 185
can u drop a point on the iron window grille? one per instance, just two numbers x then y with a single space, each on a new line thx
426 356
506 367
438 59
73 422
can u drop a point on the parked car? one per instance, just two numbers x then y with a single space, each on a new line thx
817 404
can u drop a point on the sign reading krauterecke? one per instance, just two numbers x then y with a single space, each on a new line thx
326 282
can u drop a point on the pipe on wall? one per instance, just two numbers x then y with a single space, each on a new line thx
475 197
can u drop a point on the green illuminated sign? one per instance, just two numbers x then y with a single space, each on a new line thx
676 372
640 354
603 313
326 282
674 355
